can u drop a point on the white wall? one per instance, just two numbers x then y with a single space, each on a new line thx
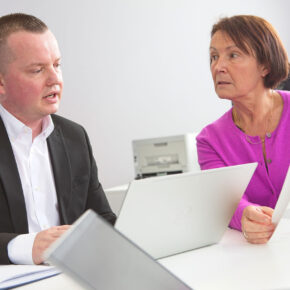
137 69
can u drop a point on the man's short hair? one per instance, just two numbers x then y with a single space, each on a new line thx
15 22
254 35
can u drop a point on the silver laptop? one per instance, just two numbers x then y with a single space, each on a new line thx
176 213
97 256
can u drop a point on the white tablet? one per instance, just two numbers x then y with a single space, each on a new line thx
97 256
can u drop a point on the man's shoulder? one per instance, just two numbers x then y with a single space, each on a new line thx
65 123
68 128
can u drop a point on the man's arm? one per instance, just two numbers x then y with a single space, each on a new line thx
44 239
75 172
5 238
20 249
97 199
28 249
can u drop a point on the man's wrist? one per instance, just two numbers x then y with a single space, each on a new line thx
20 249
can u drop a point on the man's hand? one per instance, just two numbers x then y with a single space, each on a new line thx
44 239
257 224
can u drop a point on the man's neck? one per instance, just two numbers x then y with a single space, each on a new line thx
34 125
36 128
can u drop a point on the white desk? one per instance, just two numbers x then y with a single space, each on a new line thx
59 282
236 264
231 264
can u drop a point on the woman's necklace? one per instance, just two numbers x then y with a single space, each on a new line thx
237 121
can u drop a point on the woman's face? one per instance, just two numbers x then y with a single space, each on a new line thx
235 73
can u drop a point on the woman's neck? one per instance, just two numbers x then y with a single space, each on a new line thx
254 114
252 110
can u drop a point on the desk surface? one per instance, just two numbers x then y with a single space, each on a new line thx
231 264
236 264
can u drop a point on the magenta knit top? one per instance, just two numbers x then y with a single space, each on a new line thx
223 144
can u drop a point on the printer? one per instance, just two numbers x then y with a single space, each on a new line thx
165 155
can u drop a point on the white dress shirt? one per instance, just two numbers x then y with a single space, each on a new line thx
34 167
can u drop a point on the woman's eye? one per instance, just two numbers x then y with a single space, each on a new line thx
234 55
213 58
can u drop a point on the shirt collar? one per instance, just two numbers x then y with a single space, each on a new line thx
14 127
47 126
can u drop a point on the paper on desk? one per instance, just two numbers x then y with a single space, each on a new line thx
283 200
283 227
16 275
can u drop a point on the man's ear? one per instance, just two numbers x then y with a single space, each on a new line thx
2 89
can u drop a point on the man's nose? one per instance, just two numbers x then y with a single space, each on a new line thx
54 77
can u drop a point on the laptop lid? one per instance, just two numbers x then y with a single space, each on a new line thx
97 256
172 214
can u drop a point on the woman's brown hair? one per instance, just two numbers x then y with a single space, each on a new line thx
255 35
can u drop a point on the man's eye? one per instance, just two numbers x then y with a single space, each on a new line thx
234 55
36 71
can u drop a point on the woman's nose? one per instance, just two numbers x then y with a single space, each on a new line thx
220 65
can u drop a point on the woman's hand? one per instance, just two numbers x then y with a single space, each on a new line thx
257 224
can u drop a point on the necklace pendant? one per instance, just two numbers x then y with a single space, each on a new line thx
268 135
254 143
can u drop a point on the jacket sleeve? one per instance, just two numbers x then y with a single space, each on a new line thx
5 238
96 199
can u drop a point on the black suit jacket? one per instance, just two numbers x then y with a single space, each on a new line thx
75 175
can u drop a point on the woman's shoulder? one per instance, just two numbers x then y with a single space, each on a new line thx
285 96
217 127
286 103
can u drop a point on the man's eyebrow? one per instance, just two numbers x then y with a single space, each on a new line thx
36 64
41 63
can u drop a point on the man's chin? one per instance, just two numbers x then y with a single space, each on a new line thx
52 109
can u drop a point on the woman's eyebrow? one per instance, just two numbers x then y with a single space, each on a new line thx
227 48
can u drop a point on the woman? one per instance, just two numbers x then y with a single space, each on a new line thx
247 61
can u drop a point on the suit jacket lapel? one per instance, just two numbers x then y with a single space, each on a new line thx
62 171
11 182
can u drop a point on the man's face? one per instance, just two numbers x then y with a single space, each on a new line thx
31 85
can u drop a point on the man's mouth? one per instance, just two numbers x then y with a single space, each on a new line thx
50 96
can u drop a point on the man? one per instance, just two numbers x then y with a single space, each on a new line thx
48 176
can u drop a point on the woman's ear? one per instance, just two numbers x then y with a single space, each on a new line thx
264 71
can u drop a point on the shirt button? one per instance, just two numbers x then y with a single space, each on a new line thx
269 161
